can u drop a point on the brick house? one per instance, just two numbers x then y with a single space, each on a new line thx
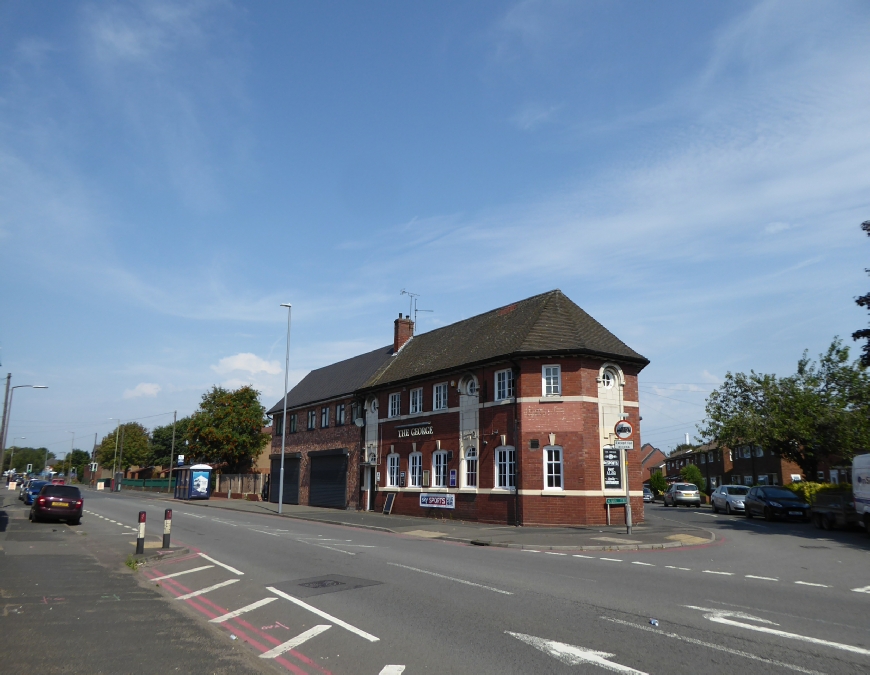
505 417
651 460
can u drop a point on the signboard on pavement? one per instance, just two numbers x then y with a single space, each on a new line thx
437 501
612 469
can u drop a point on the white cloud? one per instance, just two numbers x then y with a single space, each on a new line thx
776 228
248 363
143 389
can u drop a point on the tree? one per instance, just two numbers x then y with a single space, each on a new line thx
692 474
227 429
133 447
19 458
658 484
821 412
161 441
78 460
864 301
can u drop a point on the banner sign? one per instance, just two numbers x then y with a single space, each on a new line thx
437 501
612 469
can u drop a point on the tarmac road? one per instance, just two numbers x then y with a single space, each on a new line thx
318 598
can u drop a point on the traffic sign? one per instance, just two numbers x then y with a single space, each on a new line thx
610 501
624 445
623 429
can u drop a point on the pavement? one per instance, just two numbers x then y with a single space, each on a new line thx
659 535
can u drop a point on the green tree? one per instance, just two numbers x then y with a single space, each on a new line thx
78 460
692 474
822 412
134 447
864 301
19 458
161 441
227 429
658 484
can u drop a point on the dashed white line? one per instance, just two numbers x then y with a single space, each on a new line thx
321 613
459 581
637 562
264 532
528 550
294 642
577 555
554 553
392 670
808 583
206 589
331 548
218 562
724 574
611 559
684 569
241 610
866 589
752 576
178 574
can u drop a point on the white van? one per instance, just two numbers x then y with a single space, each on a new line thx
861 488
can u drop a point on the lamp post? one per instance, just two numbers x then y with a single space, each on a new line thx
12 456
115 459
72 446
284 416
5 430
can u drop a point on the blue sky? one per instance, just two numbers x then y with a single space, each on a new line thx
691 174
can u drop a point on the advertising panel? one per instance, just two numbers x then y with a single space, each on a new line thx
612 469
437 501
199 484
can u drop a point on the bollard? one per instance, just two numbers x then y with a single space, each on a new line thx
140 539
167 526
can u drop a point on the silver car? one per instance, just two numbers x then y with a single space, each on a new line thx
682 493
729 498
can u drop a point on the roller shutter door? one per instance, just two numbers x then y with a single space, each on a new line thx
328 481
291 480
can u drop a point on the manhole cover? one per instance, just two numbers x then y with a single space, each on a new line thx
331 583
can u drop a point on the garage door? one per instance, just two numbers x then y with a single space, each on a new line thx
329 481
291 480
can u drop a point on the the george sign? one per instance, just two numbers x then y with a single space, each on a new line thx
612 469
181 460
415 431
437 501
624 445
452 477
623 429
610 501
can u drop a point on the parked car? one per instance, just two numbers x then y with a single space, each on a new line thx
682 493
834 509
22 488
729 498
775 502
58 502
33 488
647 494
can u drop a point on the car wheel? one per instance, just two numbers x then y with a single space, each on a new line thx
75 521
826 523
768 514
747 512
728 508
715 508
817 521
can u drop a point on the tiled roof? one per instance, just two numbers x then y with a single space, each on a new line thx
338 379
543 324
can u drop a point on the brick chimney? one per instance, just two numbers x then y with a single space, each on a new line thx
403 330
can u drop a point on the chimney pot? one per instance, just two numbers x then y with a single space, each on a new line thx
403 330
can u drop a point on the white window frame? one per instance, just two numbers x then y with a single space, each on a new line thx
471 461
549 464
395 407
439 461
415 469
504 390
439 396
505 456
549 389
416 401
393 466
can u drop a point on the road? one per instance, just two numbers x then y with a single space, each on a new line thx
315 598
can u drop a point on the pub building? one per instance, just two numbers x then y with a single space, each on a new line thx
513 416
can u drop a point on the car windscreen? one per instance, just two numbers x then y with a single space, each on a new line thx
779 493
36 485
686 486
738 491
61 491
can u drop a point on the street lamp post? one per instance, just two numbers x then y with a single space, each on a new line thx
284 416
115 459
12 456
72 446
5 430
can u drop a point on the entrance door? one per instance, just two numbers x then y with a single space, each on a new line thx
328 481
291 480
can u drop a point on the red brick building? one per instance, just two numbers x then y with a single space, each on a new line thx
505 417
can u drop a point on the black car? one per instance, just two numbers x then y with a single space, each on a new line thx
775 502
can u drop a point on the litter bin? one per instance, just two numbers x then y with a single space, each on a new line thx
193 482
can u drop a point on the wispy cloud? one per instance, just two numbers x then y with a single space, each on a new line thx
532 115
149 389
248 363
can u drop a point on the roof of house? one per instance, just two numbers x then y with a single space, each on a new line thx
334 380
548 323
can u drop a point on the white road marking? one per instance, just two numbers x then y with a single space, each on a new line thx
637 562
611 559
459 581
392 670
241 610
206 590
684 569
808 583
528 550
331 548
722 616
577 555
321 613
294 642
752 576
712 515
710 645
724 574
866 589
224 522
178 574
554 553
218 562
192 515
574 656
264 532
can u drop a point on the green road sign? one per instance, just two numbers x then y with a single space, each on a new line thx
610 501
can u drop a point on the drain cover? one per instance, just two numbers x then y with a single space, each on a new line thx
331 583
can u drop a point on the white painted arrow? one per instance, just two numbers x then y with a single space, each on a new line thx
574 656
